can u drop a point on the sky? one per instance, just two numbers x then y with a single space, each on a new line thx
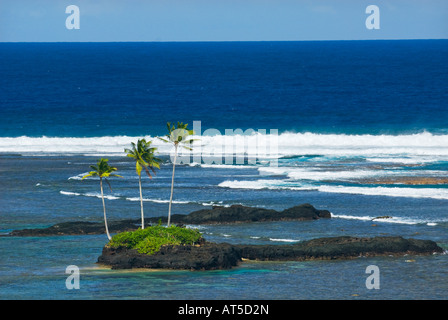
221 20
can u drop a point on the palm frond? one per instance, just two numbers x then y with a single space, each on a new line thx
90 174
164 140
143 153
108 183
187 148
147 172
102 169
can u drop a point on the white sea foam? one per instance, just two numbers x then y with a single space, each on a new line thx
344 216
407 160
235 184
97 195
212 203
328 144
110 197
397 220
432 193
67 193
205 204
157 200
421 144
263 184
283 240
59 145
78 177
196 226
194 164
313 174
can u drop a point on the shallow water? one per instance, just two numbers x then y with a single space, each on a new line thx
34 267
44 277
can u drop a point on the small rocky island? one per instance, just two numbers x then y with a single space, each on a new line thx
211 256
200 254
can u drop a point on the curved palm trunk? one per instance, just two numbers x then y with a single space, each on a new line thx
172 185
141 200
104 209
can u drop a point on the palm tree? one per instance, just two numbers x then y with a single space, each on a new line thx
178 136
143 155
103 170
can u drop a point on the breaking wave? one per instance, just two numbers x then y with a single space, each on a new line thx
432 193
282 145
110 197
398 220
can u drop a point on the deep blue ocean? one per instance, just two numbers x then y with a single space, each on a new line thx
360 128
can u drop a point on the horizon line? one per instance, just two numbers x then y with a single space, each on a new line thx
220 41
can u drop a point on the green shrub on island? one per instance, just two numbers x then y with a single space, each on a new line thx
151 239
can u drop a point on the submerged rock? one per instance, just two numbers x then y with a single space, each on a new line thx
211 256
233 214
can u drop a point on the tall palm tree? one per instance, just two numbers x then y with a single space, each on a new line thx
144 158
103 170
178 136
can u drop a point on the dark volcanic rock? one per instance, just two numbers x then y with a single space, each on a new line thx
233 214
78 228
224 256
239 213
304 212
208 256
340 248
